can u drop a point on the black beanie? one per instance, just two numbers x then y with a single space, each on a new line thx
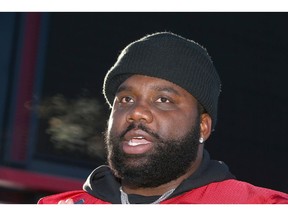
171 57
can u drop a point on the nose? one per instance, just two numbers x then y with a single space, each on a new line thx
140 113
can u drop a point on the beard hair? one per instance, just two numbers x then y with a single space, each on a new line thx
169 159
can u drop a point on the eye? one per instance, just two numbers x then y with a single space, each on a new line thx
163 100
126 99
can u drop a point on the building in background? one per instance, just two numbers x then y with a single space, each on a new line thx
48 144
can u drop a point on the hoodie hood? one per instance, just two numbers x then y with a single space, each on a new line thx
101 183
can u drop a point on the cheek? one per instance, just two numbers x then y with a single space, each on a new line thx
109 124
115 123
175 125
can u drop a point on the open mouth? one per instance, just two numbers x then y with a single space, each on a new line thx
137 144
135 141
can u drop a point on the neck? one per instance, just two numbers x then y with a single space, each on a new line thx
156 191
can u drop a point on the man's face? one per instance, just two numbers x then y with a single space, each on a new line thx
153 131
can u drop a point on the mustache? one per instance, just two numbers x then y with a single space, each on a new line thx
140 127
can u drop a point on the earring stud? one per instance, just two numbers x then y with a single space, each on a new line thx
201 140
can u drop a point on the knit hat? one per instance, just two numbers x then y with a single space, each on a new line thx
171 57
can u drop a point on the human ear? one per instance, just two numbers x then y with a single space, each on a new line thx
205 126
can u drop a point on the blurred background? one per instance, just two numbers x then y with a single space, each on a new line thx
53 114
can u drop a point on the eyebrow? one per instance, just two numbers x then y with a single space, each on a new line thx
155 88
123 88
166 89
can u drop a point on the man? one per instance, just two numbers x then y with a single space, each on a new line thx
163 91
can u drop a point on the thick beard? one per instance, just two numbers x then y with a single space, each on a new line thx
168 160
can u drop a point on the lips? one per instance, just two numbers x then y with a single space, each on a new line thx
137 142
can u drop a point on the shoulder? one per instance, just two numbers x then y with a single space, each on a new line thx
233 192
243 192
76 196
